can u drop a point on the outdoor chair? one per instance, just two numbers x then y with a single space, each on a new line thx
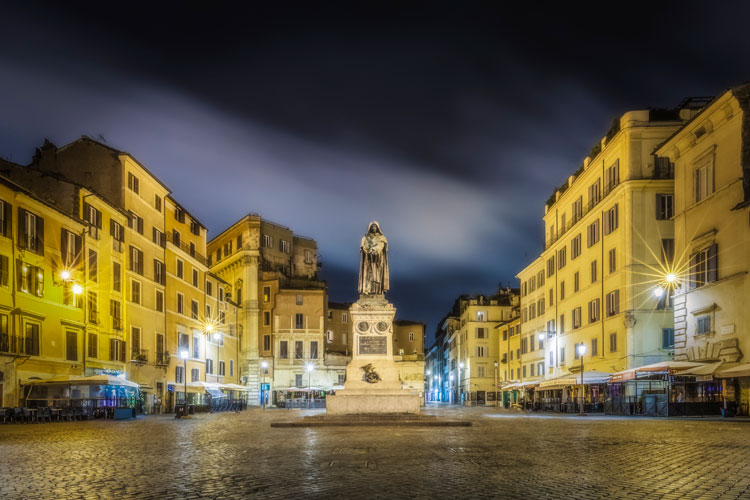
42 414
26 415
18 415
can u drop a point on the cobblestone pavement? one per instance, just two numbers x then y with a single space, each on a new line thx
501 456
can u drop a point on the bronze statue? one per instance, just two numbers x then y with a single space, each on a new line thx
373 262
370 376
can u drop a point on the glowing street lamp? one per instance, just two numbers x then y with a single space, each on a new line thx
77 289
65 275
581 352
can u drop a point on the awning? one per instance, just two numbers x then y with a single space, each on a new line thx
83 381
664 367
591 377
60 379
520 385
742 370
234 387
216 393
705 369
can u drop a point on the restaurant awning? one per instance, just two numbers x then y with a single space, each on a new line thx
520 385
704 370
60 379
83 381
591 377
234 387
663 367
742 370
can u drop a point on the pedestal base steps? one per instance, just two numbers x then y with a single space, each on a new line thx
373 420
371 402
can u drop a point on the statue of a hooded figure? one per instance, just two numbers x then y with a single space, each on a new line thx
373 262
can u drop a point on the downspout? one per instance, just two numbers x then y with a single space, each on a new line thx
602 305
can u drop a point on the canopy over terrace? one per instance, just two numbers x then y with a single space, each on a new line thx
661 368
589 377
97 391
742 370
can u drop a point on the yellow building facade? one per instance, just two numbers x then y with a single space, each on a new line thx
712 240
606 230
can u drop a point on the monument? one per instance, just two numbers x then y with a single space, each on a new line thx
372 379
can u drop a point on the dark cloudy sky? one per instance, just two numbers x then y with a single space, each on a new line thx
450 123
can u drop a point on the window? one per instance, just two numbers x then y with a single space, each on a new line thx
179 215
577 209
314 349
551 358
117 233
563 226
209 288
194 309
195 375
6 216
135 222
284 246
703 184
195 227
136 260
183 341
115 311
208 311
480 371
157 202
31 341
562 324
93 266
704 325
532 311
481 333
550 266
575 351
71 345
228 248
266 318
594 310
160 275
592 234
576 282
94 219
562 290
595 193
612 176
551 294
562 355
231 368
575 247
135 291
299 321
298 379
266 294
158 237
239 242
93 346
664 206
481 315
30 279
561 259
266 342
209 366
344 318
298 349
612 260
540 278
594 347
30 232
267 241
411 336
308 257
196 345
299 299
481 351
221 368
133 183
135 342
704 266
576 318
284 349
159 301
93 304
613 303
180 303
540 306
613 342
221 294
593 271
176 238
70 249
179 374
610 220
667 338
180 268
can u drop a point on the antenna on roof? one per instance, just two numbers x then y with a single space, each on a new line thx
100 136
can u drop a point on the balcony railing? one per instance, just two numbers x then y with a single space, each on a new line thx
117 245
139 355
19 345
185 247
117 323
162 358
93 316
93 232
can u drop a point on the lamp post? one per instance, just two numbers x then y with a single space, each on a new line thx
495 388
264 364
581 352
184 354
460 392
451 385
310 367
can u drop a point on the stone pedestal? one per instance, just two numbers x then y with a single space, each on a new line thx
372 381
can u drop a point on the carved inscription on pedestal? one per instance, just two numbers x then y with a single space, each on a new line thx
373 345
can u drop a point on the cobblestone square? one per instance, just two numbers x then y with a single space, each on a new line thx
503 455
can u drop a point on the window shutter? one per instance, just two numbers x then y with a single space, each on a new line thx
112 350
693 270
98 219
122 351
21 228
712 270
64 246
78 251
40 235
8 229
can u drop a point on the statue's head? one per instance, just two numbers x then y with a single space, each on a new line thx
374 228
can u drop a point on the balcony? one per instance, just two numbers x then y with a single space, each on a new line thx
117 324
93 232
177 241
117 246
93 316
139 355
162 358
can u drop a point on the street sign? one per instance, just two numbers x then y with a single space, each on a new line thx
265 387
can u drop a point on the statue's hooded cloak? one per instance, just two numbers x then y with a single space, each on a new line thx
374 258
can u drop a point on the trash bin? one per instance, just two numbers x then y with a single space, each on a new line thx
178 411
191 409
